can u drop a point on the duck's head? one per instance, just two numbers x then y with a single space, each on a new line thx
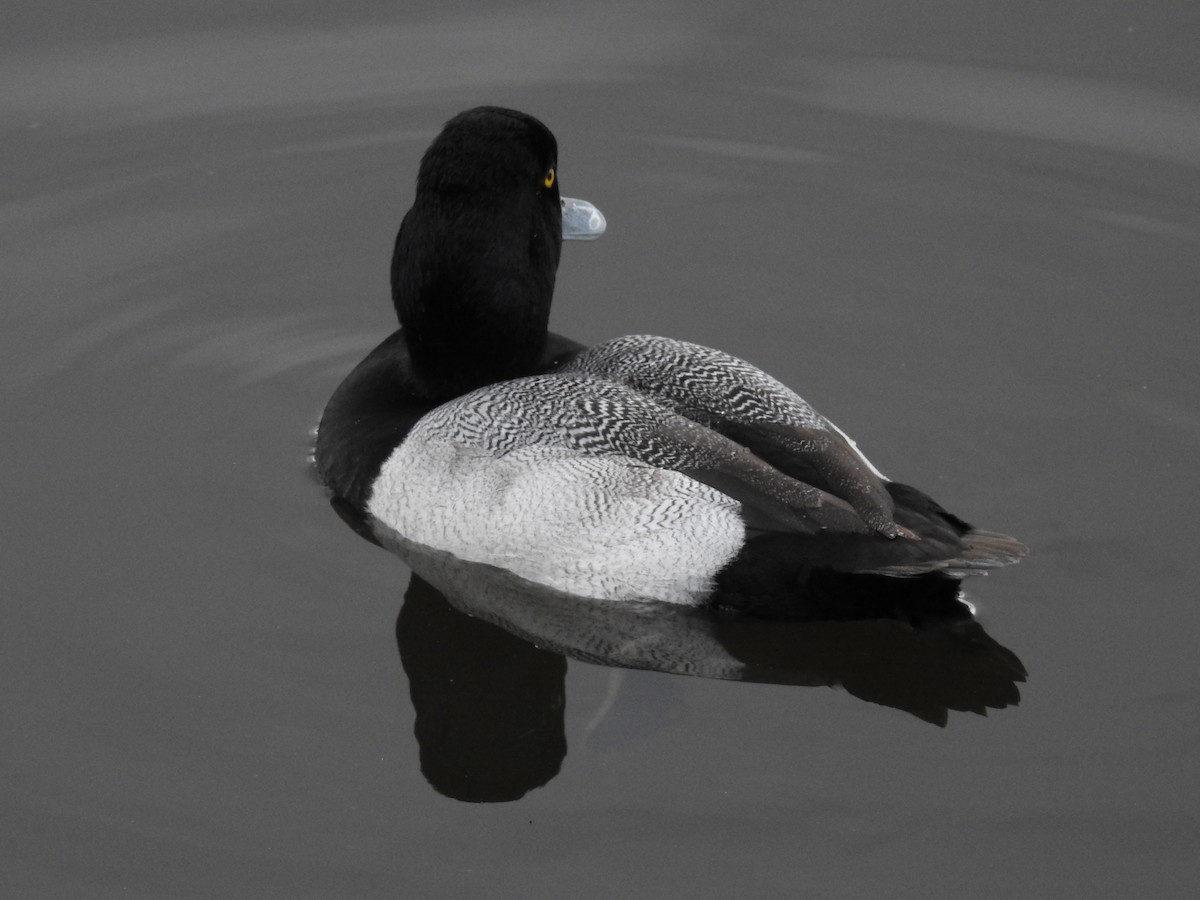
475 259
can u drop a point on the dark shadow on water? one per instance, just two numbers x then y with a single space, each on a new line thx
489 705
485 654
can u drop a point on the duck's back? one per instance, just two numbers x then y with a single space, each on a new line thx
909 533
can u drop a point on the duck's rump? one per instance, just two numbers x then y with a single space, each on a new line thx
864 576
944 543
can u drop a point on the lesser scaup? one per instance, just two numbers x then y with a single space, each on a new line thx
643 467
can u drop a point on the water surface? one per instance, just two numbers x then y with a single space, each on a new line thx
970 237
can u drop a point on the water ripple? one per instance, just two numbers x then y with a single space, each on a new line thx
1109 115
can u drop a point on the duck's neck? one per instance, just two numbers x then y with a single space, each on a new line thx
472 314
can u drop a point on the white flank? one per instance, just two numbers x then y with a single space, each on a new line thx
606 527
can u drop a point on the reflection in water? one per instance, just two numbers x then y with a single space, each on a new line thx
484 653
489 705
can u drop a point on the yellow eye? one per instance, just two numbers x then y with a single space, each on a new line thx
549 180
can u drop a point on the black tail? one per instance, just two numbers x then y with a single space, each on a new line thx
860 576
947 544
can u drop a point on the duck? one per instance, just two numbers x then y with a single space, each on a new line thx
641 468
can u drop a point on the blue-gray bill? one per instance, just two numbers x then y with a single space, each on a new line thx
581 221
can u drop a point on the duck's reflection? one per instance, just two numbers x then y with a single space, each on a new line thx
489 705
484 653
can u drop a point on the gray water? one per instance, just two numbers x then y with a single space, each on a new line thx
967 232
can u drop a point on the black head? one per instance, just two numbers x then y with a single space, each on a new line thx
474 264
489 149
